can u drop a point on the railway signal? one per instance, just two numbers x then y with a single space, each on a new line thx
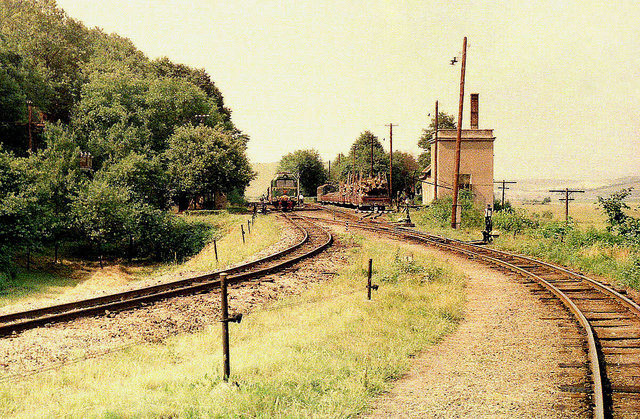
566 199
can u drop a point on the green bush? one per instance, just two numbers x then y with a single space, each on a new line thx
514 221
440 211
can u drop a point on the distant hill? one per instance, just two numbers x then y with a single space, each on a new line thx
537 189
266 172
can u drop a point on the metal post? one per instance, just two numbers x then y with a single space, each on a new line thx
249 226
215 248
226 364
435 158
456 173
242 229
369 280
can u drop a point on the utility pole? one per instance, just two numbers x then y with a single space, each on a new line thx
456 173
30 107
503 187
372 156
435 158
390 125
566 199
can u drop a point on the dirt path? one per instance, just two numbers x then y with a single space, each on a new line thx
508 358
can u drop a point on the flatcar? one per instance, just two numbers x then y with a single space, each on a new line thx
284 191
359 192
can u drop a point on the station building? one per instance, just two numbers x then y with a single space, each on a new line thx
476 162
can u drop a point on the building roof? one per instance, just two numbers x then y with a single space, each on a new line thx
467 135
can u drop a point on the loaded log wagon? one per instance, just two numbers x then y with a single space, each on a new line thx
370 192
284 191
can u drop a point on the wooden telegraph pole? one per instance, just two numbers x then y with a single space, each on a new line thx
503 187
566 199
30 108
435 158
390 125
456 173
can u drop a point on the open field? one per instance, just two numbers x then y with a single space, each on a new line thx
324 353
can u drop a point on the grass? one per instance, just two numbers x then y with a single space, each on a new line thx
231 249
48 281
29 284
586 246
324 353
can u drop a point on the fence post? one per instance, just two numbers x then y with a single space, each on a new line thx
215 249
369 280
226 364
249 226
369 285
242 229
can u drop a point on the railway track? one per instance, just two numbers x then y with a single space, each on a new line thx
609 321
314 239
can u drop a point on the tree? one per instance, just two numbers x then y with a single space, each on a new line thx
308 164
618 220
405 168
204 161
445 121
144 176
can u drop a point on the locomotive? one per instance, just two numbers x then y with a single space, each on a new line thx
360 192
284 191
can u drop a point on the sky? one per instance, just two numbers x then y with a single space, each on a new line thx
559 81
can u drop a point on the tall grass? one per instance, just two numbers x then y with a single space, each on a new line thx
231 249
324 353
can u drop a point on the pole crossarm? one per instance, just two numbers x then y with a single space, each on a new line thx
566 199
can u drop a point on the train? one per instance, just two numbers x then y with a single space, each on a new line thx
284 191
359 192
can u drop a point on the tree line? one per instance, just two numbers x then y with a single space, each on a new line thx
158 134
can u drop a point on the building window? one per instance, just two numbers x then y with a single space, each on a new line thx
464 181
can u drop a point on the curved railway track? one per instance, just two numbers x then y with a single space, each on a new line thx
314 239
609 320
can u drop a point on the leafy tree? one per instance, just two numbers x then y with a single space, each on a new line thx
144 176
361 149
170 103
308 164
52 42
445 121
618 220
109 119
163 67
405 168
204 161
20 223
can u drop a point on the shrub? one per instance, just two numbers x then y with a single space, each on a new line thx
514 221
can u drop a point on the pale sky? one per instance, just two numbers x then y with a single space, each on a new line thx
559 81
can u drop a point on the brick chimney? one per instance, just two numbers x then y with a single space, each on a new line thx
474 110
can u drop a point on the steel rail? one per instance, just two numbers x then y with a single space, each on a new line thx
456 246
119 301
